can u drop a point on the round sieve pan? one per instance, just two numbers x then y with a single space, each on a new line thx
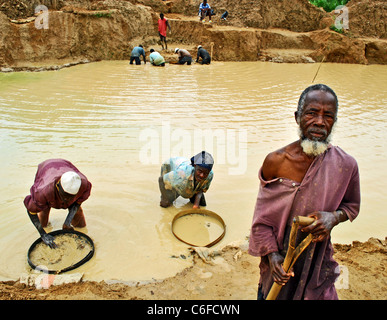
200 212
80 235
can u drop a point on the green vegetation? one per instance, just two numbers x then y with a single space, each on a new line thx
102 14
333 27
328 5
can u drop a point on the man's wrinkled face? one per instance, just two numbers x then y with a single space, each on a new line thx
316 121
318 116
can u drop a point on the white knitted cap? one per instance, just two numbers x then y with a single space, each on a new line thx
70 182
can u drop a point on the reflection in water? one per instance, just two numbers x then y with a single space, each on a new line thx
117 123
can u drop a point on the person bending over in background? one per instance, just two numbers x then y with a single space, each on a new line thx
137 52
156 59
184 56
203 53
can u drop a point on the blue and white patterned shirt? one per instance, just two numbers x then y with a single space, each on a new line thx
178 174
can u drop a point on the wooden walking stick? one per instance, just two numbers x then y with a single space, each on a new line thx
293 253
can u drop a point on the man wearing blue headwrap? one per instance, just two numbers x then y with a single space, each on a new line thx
187 178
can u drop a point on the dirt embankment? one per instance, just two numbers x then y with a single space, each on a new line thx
232 274
280 31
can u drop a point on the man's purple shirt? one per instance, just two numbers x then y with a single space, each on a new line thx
43 193
331 183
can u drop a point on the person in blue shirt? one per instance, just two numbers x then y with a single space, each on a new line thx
156 59
137 52
205 10
187 178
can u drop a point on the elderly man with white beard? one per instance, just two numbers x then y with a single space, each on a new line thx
309 177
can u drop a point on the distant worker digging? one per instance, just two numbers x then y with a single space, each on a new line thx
203 55
184 56
137 52
156 59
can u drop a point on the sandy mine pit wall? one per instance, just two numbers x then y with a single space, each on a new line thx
280 31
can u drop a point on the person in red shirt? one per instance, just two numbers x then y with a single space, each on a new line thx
163 24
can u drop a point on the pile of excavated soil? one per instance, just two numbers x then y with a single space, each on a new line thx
230 275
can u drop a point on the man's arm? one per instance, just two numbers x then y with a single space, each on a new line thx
340 215
197 200
143 54
47 239
35 203
270 166
73 209
347 210
324 223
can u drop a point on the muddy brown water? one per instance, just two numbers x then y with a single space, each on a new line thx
117 123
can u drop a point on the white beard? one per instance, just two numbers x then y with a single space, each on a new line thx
314 148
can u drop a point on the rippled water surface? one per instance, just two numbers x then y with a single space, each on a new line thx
117 123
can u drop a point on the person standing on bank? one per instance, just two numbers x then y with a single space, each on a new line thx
204 55
60 185
309 177
187 178
163 24
137 52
